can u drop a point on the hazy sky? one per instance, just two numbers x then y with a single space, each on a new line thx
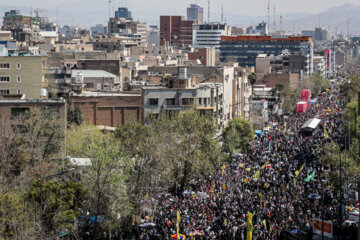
147 7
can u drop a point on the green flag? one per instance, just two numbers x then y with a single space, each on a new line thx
310 177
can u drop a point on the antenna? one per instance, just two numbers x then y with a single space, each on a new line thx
281 22
274 17
57 17
268 11
208 11
109 8
222 13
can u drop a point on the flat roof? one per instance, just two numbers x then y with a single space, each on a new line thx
106 94
31 101
92 73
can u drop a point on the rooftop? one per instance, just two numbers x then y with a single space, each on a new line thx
106 94
92 73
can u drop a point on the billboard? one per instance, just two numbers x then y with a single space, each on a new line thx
328 227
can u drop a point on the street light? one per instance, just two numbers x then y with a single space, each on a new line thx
48 177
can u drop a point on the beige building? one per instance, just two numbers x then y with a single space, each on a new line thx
74 47
23 75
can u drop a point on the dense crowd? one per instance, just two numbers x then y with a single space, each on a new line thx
267 181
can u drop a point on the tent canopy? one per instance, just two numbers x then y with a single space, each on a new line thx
311 124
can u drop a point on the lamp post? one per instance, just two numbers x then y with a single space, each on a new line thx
323 209
358 235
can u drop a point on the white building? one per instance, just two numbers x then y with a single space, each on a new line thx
209 34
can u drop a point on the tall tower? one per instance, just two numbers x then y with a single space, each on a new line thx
268 12
222 13
208 11
274 17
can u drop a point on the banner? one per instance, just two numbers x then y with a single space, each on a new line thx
298 172
249 226
328 227
178 225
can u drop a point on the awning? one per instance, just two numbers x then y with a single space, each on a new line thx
311 124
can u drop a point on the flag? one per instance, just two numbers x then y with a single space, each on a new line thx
350 209
297 173
146 196
265 185
310 177
268 166
325 132
249 227
246 180
224 186
260 196
178 224
350 184
223 170
264 222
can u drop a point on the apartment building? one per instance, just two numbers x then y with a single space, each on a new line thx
209 34
23 75
245 49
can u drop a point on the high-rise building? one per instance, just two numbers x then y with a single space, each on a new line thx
123 13
170 29
209 34
245 49
195 13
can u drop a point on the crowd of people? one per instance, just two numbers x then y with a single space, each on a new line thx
267 181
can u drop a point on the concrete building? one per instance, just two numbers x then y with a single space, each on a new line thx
23 75
154 36
261 30
320 65
76 47
110 109
237 31
322 34
209 34
206 56
245 49
128 27
95 80
195 13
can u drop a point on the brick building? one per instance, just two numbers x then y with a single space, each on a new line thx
175 30
109 109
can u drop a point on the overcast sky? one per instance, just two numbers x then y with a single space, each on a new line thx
244 7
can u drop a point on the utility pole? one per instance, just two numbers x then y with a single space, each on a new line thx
222 13
268 12
358 235
274 17
208 11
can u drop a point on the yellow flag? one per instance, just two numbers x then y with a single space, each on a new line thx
325 132
225 221
246 180
223 170
264 222
178 224
249 227
350 209
270 228
224 186
265 185
297 173
147 196
260 196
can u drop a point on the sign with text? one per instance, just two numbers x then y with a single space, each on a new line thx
328 227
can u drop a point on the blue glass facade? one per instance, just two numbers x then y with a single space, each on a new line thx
123 13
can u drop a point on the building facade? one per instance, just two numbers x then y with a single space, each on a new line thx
23 75
245 49
195 13
209 34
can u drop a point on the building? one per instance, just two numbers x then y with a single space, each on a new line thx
110 109
186 32
245 49
129 28
308 33
195 13
123 12
95 80
320 65
74 47
206 56
170 29
23 75
237 31
262 29
322 34
154 35
99 29
209 34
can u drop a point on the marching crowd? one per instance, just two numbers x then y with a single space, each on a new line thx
267 181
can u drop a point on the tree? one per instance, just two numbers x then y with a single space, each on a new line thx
74 115
105 178
238 135
252 79
316 83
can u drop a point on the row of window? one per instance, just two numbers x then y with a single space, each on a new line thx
8 91
171 102
7 79
25 112
8 65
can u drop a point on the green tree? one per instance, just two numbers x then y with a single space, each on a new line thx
252 80
238 135
74 115
105 178
316 83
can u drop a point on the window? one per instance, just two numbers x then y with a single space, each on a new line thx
170 101
187 101
18 65
199 99
154 101
50 112
18 79
18 91
89 85
4 79
4 91
20 112
4 65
